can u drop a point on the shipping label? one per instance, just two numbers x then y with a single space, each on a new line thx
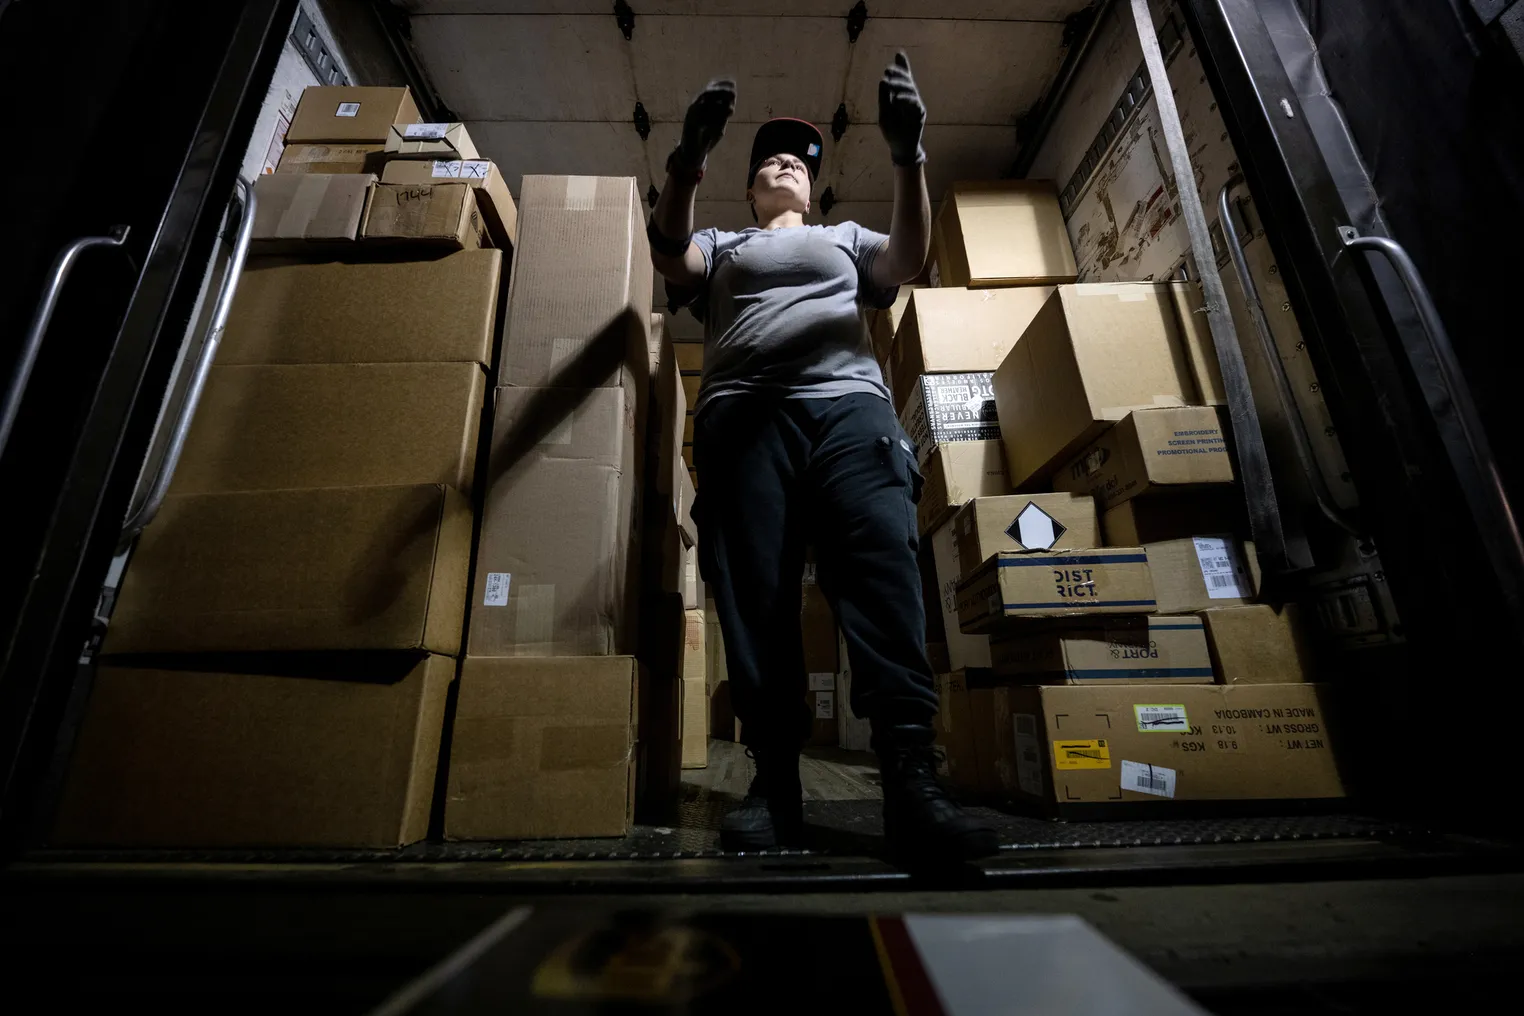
1169 719
1220 568
823 681
825 705
1148 779
497 589
425 131
1081 754
347 109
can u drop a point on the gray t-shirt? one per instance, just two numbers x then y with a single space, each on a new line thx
785 311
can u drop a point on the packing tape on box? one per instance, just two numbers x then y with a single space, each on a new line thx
305 201
581 193
534 615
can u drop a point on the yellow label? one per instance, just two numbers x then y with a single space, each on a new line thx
1081 755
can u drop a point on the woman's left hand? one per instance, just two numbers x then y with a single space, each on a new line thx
901 113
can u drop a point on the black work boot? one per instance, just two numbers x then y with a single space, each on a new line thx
772 815
921 822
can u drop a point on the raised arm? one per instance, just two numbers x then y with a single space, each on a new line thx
670 231
901 117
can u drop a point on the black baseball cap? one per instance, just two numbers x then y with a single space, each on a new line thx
786 136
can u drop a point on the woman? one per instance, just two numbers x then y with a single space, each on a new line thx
796 443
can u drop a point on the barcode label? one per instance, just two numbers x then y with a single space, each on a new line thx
425 131
1026 723
347 109
497 589
1148 779
823 681
1220 569
825 705
1167 718
1028 761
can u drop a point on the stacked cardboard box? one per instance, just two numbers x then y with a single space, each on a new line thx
277 665
822 661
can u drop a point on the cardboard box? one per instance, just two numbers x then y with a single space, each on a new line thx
1150 451
330 159
275 570
543 748
693 584
714 649
1111 745
277 426
296 209
956 331
1157 649
885 323
822 661
430 141
853 732
580 301
493 199
558 561
1203 571
955 474
1091 355
345 114
1140 521
1200 350
940 408
695 738
443 214
963 651
437 310
993 769
1108 581
668 416
1023 522
326 752
1003 233
1258 644
687 494
659 752
955 735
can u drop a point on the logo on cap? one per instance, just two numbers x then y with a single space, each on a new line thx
814 149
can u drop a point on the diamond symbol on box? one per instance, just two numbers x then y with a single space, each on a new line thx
1035 529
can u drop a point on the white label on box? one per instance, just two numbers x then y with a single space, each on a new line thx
1028 761
825 705
581 193
347 109
1148 779
497 589
823 682
1166 719
445 168
1035 529
474 169
425 131
1220 569
936 274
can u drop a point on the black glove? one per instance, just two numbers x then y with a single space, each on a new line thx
704 123
901 113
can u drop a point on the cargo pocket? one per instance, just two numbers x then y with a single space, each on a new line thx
901 454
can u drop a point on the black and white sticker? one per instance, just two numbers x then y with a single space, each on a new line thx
1165 718
347 109
497 589
471 169
823 681
1035 529
1028 759
825 705
425 131
1148 779
1220 568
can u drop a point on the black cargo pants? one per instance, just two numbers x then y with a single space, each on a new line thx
776 475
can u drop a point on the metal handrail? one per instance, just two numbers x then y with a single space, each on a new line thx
1301 439
139 519
31 344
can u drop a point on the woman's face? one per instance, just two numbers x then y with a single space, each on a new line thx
782 184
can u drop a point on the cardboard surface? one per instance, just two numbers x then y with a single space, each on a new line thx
1258 644
987 525
885 323
1115 744
348 114
963 651
279 426
955 734
339 753
328 568
493 199
939 408
330 159
580 301
1200 350
543 748
1107 581
695 690
1199 572
956 473
1157 649
1003 233
557 566
438 309
295 209
668 415
1171 515
1149 451
440 214
1094 353
957 331
822 662
450 141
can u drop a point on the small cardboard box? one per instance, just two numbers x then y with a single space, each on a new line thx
957 331
1200 350
274 426
324 752
1003 233
695 724
436 310
1203 571
964 652
345 114
1150 451
442 214
329 159
277 570
1173 515
579 306
949 407
818 632
558 560
543 748
955 734
1258 644
490 189
695 651
429 141
296 209
1156 649
1093 354
1090 749
1107 581
956 473
1023 522
884 325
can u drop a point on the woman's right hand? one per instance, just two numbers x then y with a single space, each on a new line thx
704 123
